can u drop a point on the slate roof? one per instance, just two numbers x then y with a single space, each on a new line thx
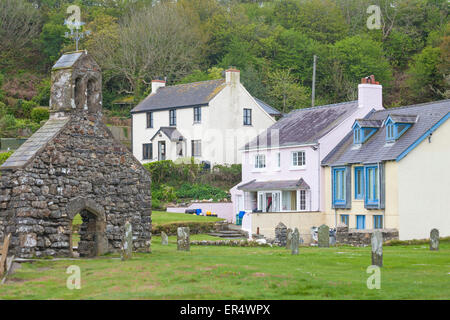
403 118
376 149
68 60
270 110
364 123
171 132
304 126
34 144
274 185
182 95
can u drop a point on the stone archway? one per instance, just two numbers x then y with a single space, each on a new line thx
93 240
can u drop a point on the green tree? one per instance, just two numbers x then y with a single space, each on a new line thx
352 59
288 94
426 78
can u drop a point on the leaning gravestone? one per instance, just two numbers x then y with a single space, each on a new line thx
164 239
281 234
323 236
295 240
183 239
288 238
377 248
127 247
434 240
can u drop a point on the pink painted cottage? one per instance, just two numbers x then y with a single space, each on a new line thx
282 177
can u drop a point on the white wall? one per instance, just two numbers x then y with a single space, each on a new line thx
424 187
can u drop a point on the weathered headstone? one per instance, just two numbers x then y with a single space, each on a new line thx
295 240
127 246
288 238
323 236
164 239
280 234
434 240
377 248
183 239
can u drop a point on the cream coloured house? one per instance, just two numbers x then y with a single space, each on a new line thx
207 120
392 172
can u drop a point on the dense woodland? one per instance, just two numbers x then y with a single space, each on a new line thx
271 42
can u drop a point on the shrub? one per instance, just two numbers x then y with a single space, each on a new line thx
7 122
4 156
200 192
40 113
23 108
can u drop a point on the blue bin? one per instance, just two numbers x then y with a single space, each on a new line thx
239 217
198 211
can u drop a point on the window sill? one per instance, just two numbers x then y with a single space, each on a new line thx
297 168
197 122
259 170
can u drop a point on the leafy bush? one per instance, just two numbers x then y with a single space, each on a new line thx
23 108
200 192
7 122
40 113
43 95
4 156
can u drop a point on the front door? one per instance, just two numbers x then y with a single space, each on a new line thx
161 150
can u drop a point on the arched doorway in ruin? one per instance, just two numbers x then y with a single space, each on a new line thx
92 231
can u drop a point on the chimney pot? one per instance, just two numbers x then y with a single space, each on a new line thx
156 84
370 93
232 75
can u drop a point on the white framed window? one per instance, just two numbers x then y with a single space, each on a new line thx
260 161
298 159
196 148
302 200
278 160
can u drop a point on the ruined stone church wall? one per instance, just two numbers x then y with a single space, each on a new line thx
82 162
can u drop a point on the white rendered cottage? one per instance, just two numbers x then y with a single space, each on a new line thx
207 120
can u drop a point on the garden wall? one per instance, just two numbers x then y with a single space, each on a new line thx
357 238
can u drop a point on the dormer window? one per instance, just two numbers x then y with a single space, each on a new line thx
364 129
357 135
396 125
390 132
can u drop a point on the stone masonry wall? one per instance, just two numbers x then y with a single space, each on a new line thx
354 237
82 170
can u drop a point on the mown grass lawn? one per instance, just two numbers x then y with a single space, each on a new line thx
162 217
410 272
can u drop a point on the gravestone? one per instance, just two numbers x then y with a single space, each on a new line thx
377 248
434 240
127 249
164 239
295 240
323 236
281 234
288 238
183 239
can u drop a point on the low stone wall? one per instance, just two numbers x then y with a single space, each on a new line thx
265 223
358 238
232 243
194 227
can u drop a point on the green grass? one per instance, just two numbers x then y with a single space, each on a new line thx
162 217
208 272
